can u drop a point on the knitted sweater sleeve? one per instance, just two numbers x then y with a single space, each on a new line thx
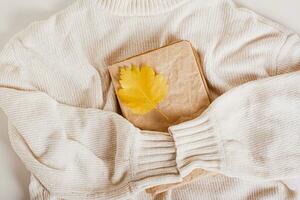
252 131
76 152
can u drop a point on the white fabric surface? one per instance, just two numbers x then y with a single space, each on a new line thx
16 15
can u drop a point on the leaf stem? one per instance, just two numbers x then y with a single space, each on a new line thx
163 114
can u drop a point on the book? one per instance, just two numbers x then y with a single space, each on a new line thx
187 95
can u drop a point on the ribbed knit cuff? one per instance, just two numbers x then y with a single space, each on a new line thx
154 160
37 191
196 145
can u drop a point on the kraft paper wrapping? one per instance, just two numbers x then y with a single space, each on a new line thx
187 96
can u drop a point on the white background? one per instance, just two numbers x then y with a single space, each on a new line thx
17 14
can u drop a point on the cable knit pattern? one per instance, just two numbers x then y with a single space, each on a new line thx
65 123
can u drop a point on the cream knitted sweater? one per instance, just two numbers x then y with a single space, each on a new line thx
63 114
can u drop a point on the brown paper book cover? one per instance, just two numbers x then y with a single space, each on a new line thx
187 95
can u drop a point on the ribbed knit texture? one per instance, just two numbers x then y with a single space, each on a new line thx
37 191
196 145
64 119
220 187
140 7
153 160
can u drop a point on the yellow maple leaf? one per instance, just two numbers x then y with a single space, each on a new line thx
141 88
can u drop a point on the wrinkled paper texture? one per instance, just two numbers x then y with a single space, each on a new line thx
187 97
